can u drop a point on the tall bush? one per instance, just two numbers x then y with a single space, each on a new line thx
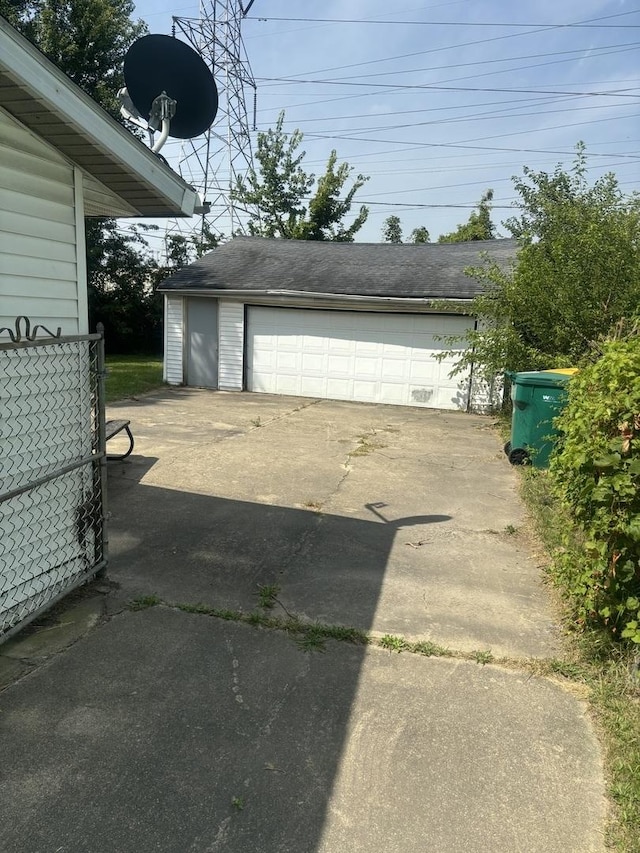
596 474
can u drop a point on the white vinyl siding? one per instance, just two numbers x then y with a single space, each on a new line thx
174 337
99 201
40 221
230 345
354 355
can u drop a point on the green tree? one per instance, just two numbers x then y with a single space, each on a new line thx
88 40
392 230
123 277
182 250
478 227
21 14
576 275
419 235
280 188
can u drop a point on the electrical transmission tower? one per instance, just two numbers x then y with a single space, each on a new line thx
212 162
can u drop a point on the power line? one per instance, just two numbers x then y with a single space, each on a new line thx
455 23
620 93
506 113
544 129
605 50
449 47
473 147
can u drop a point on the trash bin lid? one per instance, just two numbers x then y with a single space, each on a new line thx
545 378
568 371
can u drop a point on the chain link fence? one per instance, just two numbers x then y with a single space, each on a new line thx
52 458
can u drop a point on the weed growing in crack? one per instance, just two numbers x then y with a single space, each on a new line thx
482 657
429 649
144 602
393 643
237 803
267 595
208 610
311 639
366 445
345 635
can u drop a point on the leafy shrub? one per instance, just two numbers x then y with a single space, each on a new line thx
596 474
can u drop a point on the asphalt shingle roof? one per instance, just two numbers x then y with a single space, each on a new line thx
261 264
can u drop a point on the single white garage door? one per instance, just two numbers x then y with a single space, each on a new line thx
354 355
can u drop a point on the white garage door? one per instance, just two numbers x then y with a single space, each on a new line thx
352 355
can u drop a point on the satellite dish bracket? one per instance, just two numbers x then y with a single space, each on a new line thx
129 112
163 110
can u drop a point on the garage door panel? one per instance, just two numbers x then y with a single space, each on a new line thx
314 363
287 361
338 389
365 365
315 386
423 371
365 390
340 364
352 355
393 393
396 372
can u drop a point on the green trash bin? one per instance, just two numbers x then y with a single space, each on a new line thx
538 396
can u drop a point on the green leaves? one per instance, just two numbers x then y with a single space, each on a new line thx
577 274
277 195
478 227
596 475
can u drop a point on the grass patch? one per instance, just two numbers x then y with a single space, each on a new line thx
144 602
431 650
131 375
393 643
482 657
267 595
607 669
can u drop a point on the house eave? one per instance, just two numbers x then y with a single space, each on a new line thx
305 299
35 92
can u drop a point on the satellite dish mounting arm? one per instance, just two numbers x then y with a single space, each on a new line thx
163 110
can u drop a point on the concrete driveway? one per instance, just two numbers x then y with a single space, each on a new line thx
163 729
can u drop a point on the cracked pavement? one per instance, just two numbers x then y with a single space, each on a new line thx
147 732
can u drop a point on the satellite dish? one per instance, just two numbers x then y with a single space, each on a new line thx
168 85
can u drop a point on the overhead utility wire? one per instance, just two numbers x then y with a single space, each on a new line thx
377 61
470 147
544 129
604 50
475 76
619 93
501 113
465 24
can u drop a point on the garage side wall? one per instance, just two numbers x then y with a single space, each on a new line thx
230 345
174 340
41 223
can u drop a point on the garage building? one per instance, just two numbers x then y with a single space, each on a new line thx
343 321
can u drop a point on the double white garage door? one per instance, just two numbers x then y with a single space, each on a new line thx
354 355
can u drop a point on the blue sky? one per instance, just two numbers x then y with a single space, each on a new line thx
437 102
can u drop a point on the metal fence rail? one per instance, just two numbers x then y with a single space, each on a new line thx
52 457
